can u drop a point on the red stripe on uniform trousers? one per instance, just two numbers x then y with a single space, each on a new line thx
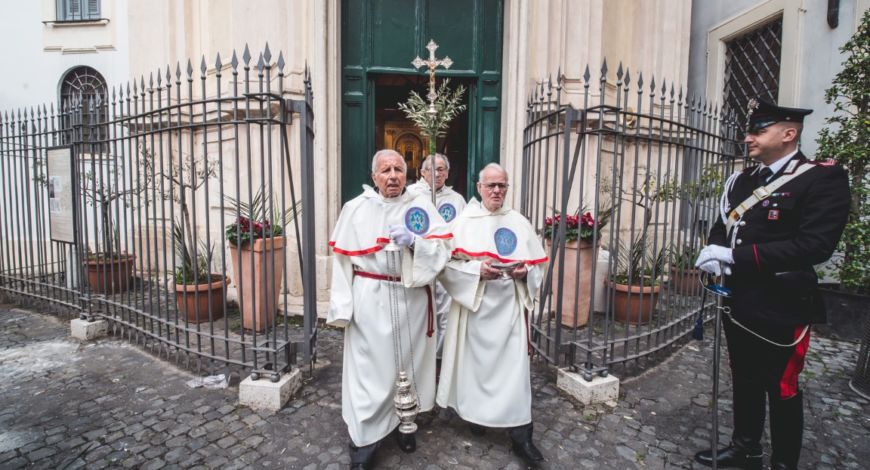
430 311
788 384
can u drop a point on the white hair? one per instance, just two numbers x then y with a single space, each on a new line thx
492 165
427 161
387 152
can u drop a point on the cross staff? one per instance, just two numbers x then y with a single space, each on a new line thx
432 63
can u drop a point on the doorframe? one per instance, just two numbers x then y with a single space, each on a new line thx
489 140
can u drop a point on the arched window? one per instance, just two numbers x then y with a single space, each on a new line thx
85 86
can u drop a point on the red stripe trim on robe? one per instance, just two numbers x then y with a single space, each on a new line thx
380 242
364 251
494 256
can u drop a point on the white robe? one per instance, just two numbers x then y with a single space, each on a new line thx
485 373
450 204
361 306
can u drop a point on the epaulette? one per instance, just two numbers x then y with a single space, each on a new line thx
825 162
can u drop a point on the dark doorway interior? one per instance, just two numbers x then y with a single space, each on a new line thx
394 130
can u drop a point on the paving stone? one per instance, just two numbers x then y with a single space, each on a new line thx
152 419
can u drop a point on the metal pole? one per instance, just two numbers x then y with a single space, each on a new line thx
714 436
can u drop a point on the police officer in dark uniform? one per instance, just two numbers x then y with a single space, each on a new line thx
778 219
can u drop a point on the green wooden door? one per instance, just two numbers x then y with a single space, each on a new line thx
384 36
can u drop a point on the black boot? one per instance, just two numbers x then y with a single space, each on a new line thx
361 457
733 456
406 442
786 431
521 438
745 449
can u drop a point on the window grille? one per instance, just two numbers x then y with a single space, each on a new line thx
78 10
752 64
85 87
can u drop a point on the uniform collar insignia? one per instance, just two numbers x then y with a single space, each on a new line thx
791 167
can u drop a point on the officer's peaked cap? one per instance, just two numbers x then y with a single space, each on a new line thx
763 113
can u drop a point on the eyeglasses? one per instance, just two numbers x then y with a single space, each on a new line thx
494 186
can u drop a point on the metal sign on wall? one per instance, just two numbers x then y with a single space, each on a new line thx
61 202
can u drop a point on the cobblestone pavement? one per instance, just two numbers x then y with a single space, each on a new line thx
107 404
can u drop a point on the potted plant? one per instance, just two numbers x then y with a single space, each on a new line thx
683 278
199 293
581 251
257 253
108 269
636 283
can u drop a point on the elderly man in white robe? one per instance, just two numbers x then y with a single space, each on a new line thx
493 278
450 204
360 302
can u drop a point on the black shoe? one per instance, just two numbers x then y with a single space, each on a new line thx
406 442
521 438
476 429
731 456
528 452
361 457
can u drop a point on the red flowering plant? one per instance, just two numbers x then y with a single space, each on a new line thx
577 227
245 230
259 219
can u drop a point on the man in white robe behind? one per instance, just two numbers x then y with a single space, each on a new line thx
359 302
450 204
493 278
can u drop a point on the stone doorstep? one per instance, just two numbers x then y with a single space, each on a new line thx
598 390
263 394
88 330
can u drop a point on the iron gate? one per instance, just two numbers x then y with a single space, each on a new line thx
621 179
179 207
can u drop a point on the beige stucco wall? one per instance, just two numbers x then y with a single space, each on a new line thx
541 37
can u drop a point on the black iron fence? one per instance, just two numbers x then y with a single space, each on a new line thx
621 177
179 207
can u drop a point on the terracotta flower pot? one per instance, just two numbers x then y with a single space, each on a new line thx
575 298
110 276
202 302
684 281
634 304
259 272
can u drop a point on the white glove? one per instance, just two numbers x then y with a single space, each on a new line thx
401 235
715 268
715 252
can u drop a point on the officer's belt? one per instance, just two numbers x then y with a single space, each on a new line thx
761 193
430 310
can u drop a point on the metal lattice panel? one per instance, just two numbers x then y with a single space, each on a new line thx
752 64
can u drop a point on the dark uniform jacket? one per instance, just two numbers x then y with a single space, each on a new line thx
779 241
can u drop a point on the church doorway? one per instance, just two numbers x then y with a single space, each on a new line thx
379 39
395 131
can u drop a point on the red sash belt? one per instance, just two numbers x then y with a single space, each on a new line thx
430 314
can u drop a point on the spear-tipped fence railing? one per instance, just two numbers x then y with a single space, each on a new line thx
621 177
126 206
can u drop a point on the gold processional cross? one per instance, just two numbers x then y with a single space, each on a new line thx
432 63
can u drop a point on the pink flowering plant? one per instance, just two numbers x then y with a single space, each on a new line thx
577 227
